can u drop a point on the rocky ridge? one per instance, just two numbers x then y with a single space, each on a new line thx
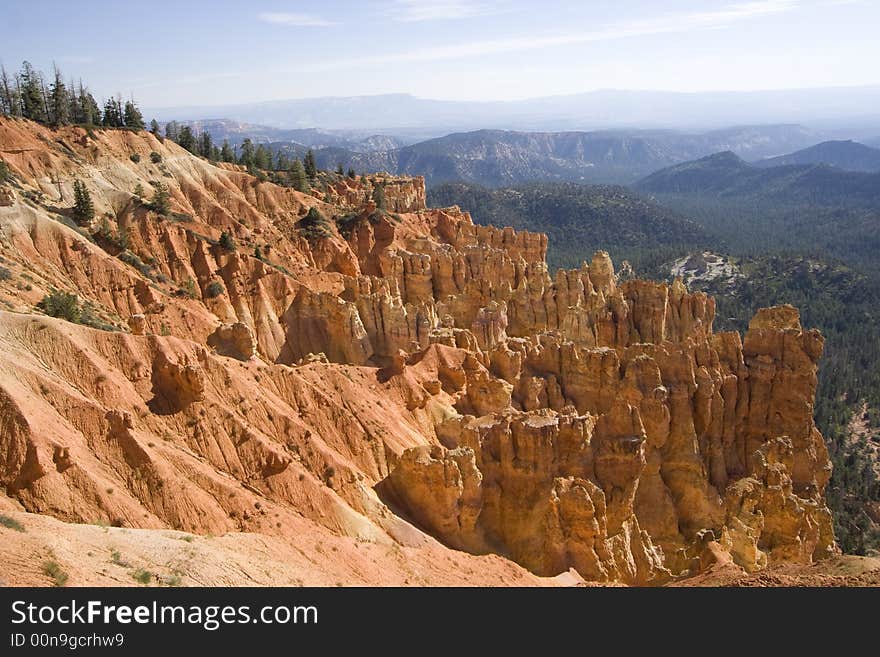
399 375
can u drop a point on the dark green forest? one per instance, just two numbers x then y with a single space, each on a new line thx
581 219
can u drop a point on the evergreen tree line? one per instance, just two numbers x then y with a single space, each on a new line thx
257 158
27 95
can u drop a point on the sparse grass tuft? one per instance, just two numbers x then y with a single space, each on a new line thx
53 570
11 523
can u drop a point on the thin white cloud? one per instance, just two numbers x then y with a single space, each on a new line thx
668 24
294 20
416 11
724 16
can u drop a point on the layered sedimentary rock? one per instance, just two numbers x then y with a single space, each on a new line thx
396 369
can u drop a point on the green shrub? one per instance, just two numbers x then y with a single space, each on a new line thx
160 201
226 241
142 576
314 226
53 570
130 258
83 208
67 306
189 288
64 305
346 224
155 158
11 523
379 196
4 172
5 274
134 157
214 289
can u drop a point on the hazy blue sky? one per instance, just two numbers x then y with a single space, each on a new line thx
175 53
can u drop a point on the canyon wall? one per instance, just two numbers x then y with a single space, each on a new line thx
393 375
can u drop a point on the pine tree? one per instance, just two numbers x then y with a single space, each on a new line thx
379 196
9 103
59 101
83 208
263 158
187 139
339 170
309 165
215 154
283 162
297 175
227 154
205 144
247 154
112 113
132 116
90 113
72 102
160 201
172 130
351 173
154 128
32 101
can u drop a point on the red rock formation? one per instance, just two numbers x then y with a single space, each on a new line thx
407 367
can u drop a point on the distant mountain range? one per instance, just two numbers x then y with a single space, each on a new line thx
419 118
848 155
498 157
355 141
727 175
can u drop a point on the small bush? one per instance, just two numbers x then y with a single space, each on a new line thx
214 289
226 241
4 172
347 223
134 157
160 201
155 158
379 196
11 523
116 559
53 570
142 576
63 305
314 226
189 288
5 274
130 258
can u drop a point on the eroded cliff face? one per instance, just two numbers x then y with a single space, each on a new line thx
403 373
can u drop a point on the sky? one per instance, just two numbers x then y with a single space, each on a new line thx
169 54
